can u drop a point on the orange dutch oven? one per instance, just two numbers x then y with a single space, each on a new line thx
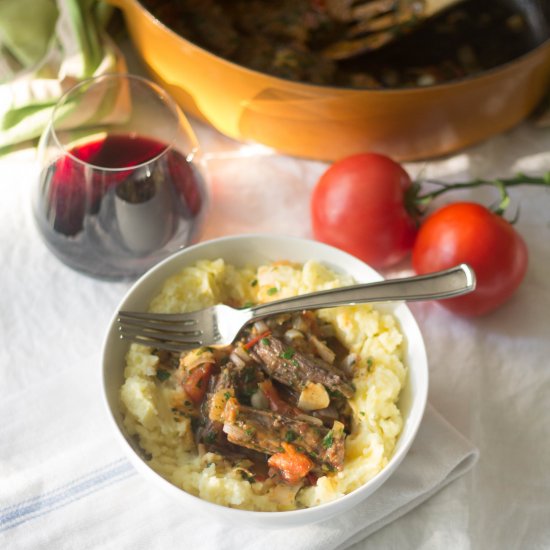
328 123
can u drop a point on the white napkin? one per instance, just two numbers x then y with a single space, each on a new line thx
64 482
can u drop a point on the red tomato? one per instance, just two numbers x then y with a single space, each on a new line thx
196 384
470 233
358 205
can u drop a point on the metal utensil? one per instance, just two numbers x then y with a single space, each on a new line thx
220 324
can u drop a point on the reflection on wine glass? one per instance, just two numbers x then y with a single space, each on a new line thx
121 183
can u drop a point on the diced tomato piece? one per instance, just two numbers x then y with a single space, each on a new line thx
196 384
293 465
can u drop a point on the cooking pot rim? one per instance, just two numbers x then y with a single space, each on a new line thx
462 81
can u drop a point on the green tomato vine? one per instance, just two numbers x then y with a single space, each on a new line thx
417 201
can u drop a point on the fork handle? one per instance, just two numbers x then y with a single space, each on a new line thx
433 286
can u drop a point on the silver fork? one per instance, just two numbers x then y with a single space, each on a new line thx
220 324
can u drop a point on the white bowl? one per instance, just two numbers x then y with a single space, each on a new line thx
260 249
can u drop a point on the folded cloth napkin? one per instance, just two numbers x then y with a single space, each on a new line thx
65 483
47 47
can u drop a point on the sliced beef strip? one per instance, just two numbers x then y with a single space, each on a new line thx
210 432
263 431
295 369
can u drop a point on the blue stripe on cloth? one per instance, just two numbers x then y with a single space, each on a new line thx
62 488
40 505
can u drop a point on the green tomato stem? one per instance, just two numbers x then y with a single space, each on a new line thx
419 201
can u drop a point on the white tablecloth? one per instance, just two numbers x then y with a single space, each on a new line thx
490 377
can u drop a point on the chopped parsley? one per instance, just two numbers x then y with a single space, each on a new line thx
288 354
163 375
247 476
254 282
328 440
210 437
290 436
265 341
334 393
249 375
272 290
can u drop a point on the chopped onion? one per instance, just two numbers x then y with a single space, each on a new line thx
259 401
281 319
291 334
197 357
236 359
232 430
242 353
323 350
299 323
261 327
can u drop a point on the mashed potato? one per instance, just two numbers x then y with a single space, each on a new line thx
379 375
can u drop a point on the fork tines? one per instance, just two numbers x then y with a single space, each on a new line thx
172 332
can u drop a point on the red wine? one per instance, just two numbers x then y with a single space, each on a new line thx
118 151
117 199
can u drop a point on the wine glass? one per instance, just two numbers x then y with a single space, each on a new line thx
121 183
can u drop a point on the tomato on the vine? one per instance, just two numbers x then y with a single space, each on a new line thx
367 205
359 206
466 232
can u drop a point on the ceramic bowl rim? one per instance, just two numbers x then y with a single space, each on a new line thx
314 514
